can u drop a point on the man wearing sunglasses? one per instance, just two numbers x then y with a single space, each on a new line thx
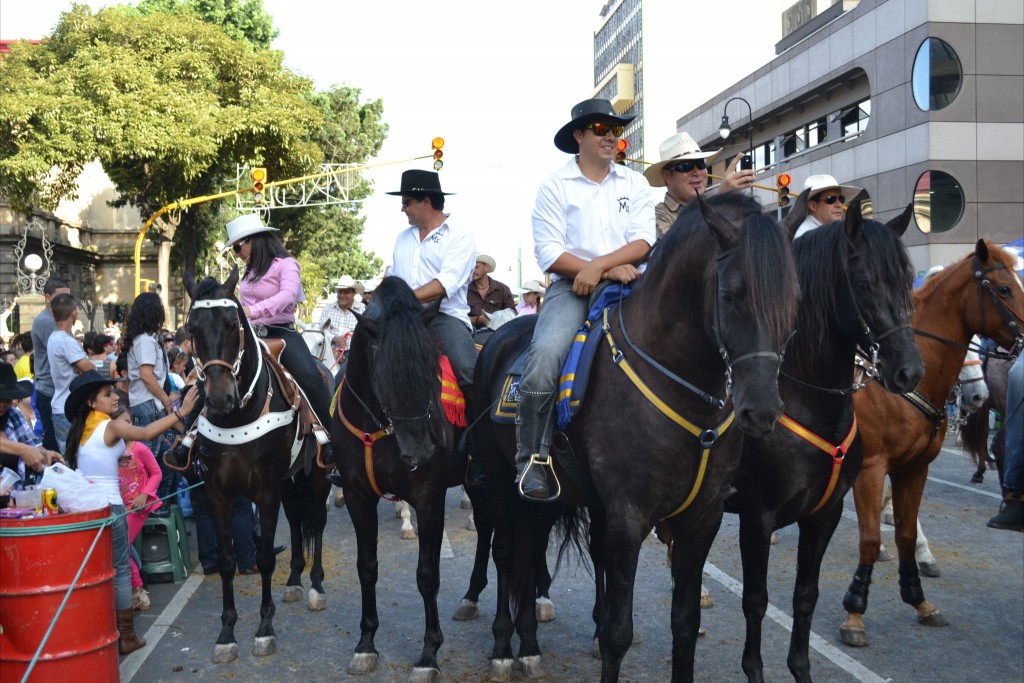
592 220
683 173
826 201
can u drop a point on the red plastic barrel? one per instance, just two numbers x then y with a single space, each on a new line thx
35 573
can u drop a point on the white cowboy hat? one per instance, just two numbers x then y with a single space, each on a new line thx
244 226
370 285
487 261
532 286
679 147
822 181
346 282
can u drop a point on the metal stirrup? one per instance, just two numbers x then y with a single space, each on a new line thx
540 461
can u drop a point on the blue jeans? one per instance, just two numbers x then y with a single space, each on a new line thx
241 531
1013 429
456 342
61 427
147 413
122 562
43 402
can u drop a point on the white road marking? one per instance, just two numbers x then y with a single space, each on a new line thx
131 664
828 651
446 547
972 489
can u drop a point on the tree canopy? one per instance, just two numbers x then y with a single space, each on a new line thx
171 96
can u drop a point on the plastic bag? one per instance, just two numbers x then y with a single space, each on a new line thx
75 493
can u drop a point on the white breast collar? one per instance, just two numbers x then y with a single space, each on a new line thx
234 436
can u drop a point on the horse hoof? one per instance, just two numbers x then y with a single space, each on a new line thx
545 610
706 601
775 538
408 535
935 618
317 601
501 670
264 646
423 674
339 500
855 637
467 504
470 524
292 593
978 478
929 569
701 632
530 666
222 654
467 611
884 555
363 663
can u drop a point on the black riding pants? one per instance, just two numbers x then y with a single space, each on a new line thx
304 368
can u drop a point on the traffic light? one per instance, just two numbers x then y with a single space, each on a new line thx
436 144
259 178
620 155
782 182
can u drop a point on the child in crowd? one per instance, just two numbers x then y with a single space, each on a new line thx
139 477
95 445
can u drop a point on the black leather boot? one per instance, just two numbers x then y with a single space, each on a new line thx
534 465
1011 513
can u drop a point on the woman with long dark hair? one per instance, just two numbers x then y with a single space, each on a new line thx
269 292
95 446
149 398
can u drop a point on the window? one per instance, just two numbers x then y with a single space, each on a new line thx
937 75
938 202
855 119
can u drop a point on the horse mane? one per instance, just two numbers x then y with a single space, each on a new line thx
406 358
770 281
209 288
823 267
995 252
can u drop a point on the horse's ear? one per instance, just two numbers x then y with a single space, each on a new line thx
430 311
853 221
727 234
190 284
981 251
899 224
232 282
796 216
371 325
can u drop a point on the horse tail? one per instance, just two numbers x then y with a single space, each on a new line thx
974 434
304 493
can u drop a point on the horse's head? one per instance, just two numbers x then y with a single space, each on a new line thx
393 371
973 390
750 303
856 277
218 329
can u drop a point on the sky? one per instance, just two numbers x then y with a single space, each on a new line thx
495 80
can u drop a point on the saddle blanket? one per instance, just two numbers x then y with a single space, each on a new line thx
572 383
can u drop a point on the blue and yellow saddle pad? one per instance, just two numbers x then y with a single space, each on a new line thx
572 384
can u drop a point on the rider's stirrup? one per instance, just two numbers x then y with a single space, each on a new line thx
541 461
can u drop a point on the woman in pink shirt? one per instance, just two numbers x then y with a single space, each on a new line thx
269 292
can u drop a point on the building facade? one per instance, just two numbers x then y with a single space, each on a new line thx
917 101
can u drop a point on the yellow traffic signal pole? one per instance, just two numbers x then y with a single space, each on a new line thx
183 203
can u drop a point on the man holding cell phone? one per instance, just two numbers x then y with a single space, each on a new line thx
683 172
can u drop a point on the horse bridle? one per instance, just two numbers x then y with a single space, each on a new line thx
236 367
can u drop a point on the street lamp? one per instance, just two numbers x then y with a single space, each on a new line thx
725 130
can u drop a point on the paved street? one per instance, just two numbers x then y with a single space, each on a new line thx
981 591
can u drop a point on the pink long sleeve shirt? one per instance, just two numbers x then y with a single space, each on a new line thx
271 299
138 472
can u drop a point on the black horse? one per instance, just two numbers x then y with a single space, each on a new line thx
244 396
689 361
855 279
391 434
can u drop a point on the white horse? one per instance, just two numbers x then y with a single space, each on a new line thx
317 342
969 393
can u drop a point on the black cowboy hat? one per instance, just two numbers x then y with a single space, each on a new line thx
587 111
420 181
10 388
82 386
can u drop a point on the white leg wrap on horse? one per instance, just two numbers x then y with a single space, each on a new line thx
501 670
531 666
317 601
545 610
422 674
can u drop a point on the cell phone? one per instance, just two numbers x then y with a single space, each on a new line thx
746 163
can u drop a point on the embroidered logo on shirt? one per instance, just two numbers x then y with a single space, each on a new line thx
623 204
436 238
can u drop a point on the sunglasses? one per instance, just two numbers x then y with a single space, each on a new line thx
833 198
407 202
602 129
237 246
687 166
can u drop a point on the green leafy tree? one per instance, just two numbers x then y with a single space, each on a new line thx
241 19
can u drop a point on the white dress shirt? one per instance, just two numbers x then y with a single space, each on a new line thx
575 215
447 254
810 223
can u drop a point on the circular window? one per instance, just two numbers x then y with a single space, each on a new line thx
938 202
937 75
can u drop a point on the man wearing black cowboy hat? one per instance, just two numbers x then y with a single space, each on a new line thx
20 448
592 221
435 256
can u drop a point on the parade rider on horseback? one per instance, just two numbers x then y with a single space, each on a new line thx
592 221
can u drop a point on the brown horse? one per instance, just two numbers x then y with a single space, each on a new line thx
980 294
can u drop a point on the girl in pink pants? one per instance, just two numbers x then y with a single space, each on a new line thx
139 476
